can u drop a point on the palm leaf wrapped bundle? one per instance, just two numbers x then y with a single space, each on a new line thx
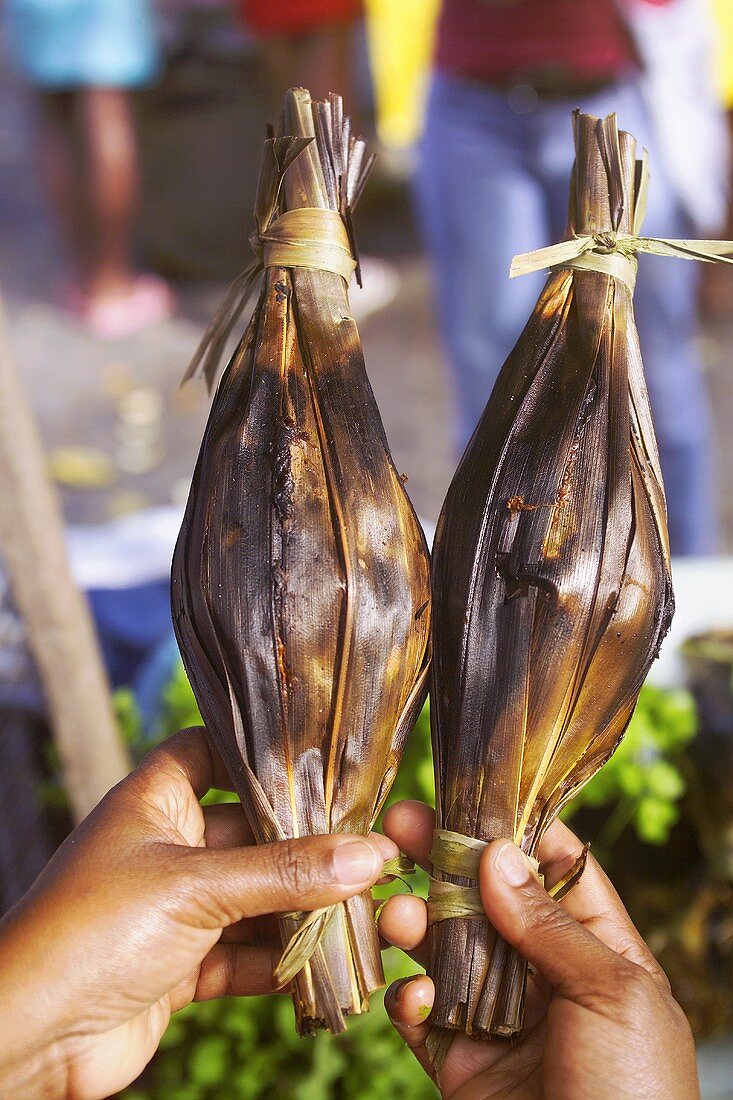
551 579
300 582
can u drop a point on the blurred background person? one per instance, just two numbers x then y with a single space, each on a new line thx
717 293
84 58
305 42
496 155
319 45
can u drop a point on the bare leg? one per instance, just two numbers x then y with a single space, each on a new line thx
112 188
90 165
61 160
319 61
716 292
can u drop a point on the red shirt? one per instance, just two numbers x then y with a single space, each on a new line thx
267 17
492 40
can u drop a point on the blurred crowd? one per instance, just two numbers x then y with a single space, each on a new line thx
482 90
471 102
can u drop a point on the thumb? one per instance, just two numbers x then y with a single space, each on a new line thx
567 955
231 884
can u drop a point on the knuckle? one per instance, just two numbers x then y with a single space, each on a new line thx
197 890
295 871
545 916
636 986
229 973
180 743
662 981
679 1020
189 879
627 990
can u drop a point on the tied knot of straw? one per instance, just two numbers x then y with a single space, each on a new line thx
615 254
606 242
458 855
306 939
610 242
303 237
310 237
611 253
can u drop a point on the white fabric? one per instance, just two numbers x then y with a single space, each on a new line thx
675 42
703 591
132 550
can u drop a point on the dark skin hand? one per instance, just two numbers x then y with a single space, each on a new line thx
152 902
155 901
601 1021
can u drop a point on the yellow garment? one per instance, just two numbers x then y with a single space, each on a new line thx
400 38
724 14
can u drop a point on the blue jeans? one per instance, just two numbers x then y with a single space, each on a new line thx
137 641
493 183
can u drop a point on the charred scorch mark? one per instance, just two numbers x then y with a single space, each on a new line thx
282 461
519 504
666 616
518 578
288 436
563 492
562 498
585 409
278 582
563 523
283 487
562 527
519 581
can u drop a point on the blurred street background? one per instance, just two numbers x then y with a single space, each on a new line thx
120 433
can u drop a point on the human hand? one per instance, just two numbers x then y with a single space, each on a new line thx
152 902
601 1021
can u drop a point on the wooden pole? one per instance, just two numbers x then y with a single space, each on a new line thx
60 631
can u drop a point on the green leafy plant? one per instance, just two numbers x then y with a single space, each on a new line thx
128 718
246 1049
178 705
643 782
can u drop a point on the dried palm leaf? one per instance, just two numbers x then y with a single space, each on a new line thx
551 577
301 578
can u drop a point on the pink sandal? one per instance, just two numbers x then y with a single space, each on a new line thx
148 302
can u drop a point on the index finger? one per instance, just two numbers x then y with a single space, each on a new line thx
593 901
226 885
410 824
187 756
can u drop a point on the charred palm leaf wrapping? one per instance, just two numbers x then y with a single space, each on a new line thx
551 578
300 582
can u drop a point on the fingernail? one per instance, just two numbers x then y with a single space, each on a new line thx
513 865
410 1000
393 996
356 861
387 847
